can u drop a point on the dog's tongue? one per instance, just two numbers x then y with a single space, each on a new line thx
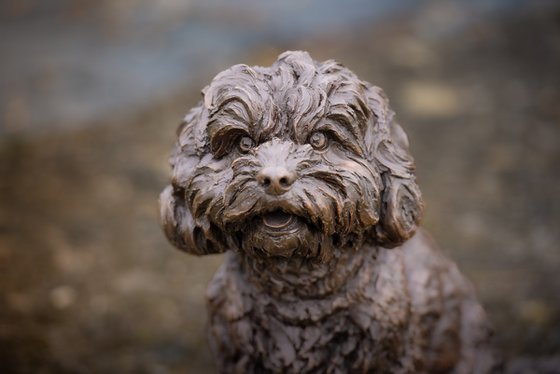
277 219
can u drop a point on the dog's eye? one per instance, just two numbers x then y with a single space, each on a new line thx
319 140
245 144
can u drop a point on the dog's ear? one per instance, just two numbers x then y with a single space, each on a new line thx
401 203
197 237
190 234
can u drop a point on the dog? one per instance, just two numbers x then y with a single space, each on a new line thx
301 174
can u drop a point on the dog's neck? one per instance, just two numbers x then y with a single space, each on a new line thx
297 278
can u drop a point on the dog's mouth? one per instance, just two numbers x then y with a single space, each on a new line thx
275 233
278 220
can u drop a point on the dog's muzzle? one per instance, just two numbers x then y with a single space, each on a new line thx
264 207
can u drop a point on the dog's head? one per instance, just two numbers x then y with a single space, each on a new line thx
291 160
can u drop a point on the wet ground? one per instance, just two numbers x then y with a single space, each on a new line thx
89 284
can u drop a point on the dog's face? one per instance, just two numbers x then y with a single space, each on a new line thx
292 160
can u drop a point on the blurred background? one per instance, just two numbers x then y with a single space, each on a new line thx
91 93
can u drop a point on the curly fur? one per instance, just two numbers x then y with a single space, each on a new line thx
302 174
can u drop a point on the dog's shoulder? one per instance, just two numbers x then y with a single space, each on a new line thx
429 271
437 292
452 324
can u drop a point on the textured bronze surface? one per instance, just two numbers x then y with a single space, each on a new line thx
302 174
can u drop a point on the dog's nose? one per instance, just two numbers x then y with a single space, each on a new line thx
276 179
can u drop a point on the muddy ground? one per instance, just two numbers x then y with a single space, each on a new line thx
88 283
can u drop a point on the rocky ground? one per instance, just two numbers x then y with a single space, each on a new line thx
89 284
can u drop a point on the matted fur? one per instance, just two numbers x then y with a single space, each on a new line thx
301 171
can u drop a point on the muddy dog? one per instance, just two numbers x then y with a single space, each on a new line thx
301 173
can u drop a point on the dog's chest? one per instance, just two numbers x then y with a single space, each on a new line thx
363 326
334 344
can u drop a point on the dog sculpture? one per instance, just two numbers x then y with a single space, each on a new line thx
300 172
